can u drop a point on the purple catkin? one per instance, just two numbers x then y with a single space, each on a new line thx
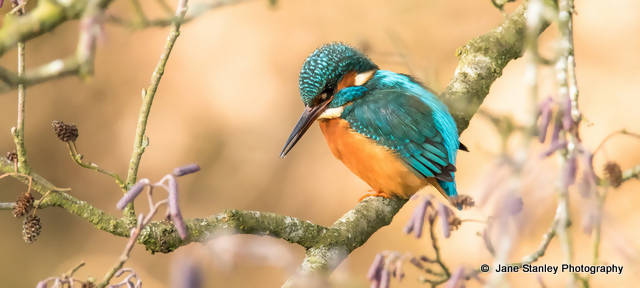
555 134
424 258
186 273
588 181
555 146
376 268
418 216
187 169
589 219
545 118
43 283
414 261
409 227
569 175
398 272
385 278
456 278
512 204
444 219
132 193
487 242
174 209
567 120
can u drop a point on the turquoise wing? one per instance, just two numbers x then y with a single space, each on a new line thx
404 123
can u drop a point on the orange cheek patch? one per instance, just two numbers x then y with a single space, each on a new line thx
348 80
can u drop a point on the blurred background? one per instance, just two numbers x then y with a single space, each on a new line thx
229 98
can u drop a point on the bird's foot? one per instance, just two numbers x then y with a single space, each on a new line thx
374 194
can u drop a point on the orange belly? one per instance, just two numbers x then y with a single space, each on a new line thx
377 165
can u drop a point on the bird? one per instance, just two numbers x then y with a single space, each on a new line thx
386 127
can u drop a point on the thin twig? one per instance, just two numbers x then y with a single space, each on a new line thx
165 6
140 17
78 158
196 10
445 275
141 141
611 135
633 173
18 132
135 233
568 92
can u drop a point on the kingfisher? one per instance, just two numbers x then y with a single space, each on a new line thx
386 127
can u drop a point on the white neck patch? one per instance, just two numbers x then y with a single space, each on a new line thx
363 77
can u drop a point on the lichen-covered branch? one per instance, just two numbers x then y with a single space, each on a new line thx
161 236
480 62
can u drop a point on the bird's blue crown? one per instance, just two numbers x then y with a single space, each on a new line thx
326 65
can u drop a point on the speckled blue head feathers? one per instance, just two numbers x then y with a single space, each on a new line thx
326 65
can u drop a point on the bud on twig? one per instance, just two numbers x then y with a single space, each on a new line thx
12 156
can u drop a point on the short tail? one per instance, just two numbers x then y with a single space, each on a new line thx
449 190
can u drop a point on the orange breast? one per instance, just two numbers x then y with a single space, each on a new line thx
375 164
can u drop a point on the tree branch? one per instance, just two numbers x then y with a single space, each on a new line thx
197 9
480 62
161 236
632 173
46 16
49 14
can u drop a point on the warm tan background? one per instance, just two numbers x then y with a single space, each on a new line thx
229 99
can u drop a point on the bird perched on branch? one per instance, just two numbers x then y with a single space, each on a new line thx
385 127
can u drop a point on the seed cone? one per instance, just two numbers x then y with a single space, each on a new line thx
613 173
462 201
65 132
31 228
23 205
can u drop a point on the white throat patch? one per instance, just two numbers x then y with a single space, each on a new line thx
332 113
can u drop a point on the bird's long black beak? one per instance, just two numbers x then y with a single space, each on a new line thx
309 115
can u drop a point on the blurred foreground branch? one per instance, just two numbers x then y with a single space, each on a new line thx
49 14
